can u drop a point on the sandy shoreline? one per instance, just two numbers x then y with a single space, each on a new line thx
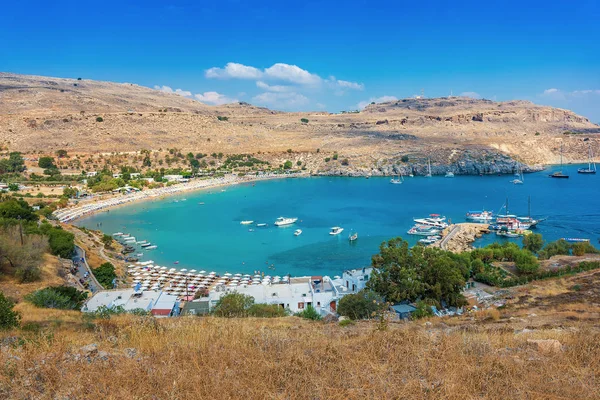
70 214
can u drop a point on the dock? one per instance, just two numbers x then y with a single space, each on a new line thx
460 237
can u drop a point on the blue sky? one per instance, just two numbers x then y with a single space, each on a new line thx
311 55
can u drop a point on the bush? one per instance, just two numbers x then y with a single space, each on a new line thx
287 164
346 322
327 159
105 275
233 305
533 242
221 118
99 119
423 310
266 311
309 313
62 243
27 274
8 318
358 306
335 156
404 159
304 120
46 163
345 161
61 297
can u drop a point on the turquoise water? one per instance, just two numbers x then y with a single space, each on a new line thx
210 236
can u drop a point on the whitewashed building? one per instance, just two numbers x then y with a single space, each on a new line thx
356 280
156 302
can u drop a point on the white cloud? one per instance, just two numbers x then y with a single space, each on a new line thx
584 92
550 91
382 99
235 71
557 94
281 100
350 85
214 98
273 88
279 72
473 95
292 73
168 89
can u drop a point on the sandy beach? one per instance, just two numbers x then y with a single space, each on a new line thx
87 207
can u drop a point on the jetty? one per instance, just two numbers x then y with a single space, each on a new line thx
460 237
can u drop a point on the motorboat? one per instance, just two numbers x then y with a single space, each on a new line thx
282 221
298 232
449 174
151 247
246 222
118 234
336 230
480 216
429 239
591 169
423 230
434 220
146 245
353 237
261 225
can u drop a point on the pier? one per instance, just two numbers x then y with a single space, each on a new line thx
459 237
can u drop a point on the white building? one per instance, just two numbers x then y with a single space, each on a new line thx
91 174
173 178
322 293
157 302
134 175
356 280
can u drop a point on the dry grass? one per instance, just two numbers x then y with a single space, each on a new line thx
190 358
50 277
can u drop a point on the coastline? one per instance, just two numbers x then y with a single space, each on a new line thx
70 214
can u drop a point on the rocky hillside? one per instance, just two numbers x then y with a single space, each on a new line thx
466 135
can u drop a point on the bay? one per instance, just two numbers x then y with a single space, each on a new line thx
209 236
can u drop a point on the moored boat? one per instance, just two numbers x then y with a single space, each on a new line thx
246 222
353 237
336 230
282 221
591 169
480 216
298 232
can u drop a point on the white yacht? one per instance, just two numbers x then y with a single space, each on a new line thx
336 230
298 232
435 220
246 222
282 221
398 180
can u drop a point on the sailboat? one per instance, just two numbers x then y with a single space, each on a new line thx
398 180
560 174
519 176
591 169
428 168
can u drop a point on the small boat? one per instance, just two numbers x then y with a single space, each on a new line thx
397 181
480 216
423 230
146 245
429 239
353 237
250 230
139 255
282 221
142 241
576 240
246 222
591 169
176 262
262 224
298 232
336 230
449 174
118 234
201 203
151 247
559 174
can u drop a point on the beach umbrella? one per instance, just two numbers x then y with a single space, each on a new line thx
247 275
163 268
203 272
238 275
227 274
255 282
172 270
184 270
212 273
192 270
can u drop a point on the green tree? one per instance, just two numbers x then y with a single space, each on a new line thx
17 210
304 120
15 162
62 243
404 159
69 192
13 187
8 318
105 275
107 240
46 162
423 310
533 242
233 305
61 153
360 305
287 164
61 297
99 119
526 263
335 156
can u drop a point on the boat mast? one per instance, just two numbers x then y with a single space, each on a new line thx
529 207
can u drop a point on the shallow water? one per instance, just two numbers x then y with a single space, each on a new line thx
210 236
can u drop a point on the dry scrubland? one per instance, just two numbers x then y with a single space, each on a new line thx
486 355
60 115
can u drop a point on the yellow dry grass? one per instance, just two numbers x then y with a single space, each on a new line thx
50 277
192 358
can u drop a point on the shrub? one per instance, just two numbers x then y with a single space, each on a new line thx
266 311
8 318
287 164
526 263
304 120
26 274
105 275
346 322
335 156
298 163
404 159
533 242
62 243
358 306
46 162
423 310
309 313
221 118
61 297
233 305
327 159
99 119
345 161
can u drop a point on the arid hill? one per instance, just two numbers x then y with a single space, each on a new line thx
45 114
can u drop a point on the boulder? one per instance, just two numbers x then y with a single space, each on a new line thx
89 350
